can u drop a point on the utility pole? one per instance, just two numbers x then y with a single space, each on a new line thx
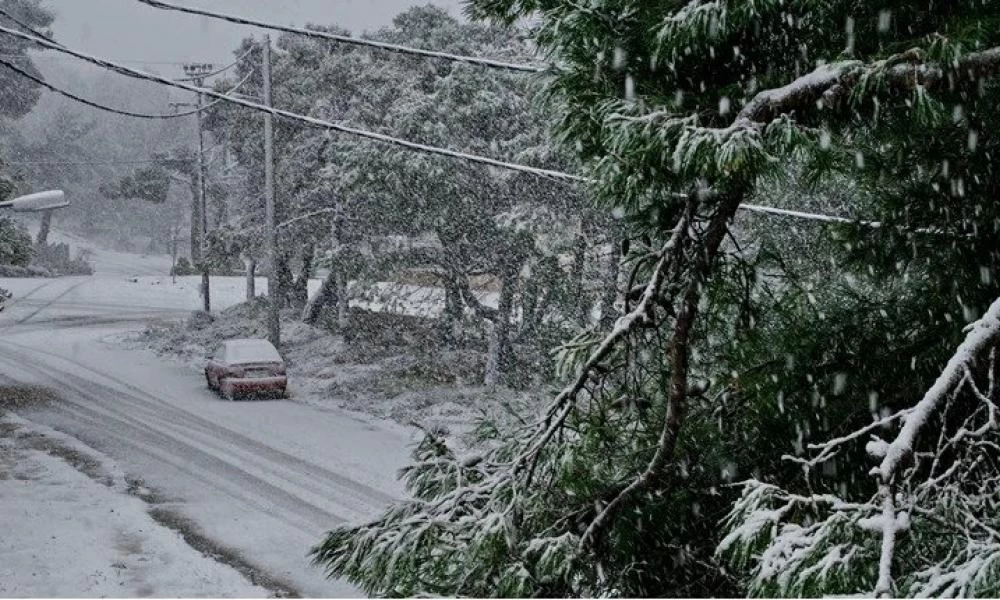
197 73
271 243
223 217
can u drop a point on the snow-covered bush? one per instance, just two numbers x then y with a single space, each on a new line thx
681 114
15 243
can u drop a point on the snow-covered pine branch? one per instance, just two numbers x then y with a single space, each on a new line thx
766 123
937 498
984 334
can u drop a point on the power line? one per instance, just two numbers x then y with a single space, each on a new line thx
380 137
109 109
796 214
34 31
784 212
85 163
90 103
174 63
25 26
544 173
344 39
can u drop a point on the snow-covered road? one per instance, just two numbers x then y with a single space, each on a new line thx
261 480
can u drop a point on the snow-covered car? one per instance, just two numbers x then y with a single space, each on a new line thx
5 297
246 366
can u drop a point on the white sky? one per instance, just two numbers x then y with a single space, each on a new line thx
125 30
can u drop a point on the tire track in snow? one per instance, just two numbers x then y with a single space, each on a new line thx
81 321
49 303
187 460
293 484
245 491
31 293
169 517
117 307
143 399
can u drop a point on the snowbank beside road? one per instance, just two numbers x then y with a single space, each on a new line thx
67 535
388 370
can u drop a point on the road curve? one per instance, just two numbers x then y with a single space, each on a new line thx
261 479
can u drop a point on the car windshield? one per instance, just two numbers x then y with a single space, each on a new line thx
251 351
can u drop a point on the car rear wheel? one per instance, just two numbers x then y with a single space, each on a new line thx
228 392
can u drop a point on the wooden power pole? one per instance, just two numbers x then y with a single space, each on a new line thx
197 73
271 243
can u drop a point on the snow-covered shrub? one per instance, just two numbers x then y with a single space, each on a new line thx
15 243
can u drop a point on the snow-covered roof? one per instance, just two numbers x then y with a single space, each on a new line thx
251 350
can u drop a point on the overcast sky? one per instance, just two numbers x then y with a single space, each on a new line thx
126 30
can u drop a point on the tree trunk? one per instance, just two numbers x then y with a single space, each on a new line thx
453 261
452 322
251 273
339 270
343 302
333 291
492 377
222 213
610 293
174 233
43 231
284 279
326 296
299 294
580 308
498 354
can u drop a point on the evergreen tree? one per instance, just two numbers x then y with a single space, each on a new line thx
681 111
18 96
15 243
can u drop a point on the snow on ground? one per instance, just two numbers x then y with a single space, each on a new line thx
67 535
114 295
408 299
388 370
150 285
392 380
262 480
384 297
109 262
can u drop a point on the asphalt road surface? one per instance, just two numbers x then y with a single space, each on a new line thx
255 483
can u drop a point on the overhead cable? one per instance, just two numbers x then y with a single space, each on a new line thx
175 63
118 111
25 26
90 103
312 121
82 163
346 39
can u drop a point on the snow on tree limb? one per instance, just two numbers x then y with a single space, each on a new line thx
710 152
679 367
802 92
942 497
983 334
833 81
563 402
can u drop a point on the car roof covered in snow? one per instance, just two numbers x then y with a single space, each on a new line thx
251 350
